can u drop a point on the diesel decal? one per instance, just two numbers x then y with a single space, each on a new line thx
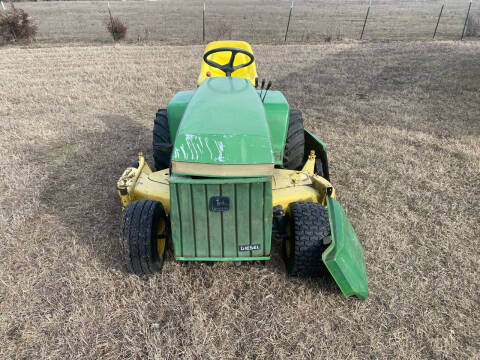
249 247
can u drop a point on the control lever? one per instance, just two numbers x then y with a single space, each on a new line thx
266 90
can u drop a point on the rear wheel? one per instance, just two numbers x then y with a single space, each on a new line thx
295 143
143 236
308 227
162 150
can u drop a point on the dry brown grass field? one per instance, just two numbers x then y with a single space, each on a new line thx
402 121
313 21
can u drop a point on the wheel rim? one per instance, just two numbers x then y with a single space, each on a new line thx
288 248
288 241
161 239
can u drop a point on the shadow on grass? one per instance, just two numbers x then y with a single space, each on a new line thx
82 174
418 86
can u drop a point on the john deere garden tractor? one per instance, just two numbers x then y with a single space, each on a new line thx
234 164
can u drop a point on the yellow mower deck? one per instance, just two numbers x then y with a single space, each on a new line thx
287 185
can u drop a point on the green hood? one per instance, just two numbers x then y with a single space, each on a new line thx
224 124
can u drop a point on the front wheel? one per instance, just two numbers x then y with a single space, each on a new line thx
303 247
143 236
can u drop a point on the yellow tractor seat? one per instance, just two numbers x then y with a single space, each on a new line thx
249 72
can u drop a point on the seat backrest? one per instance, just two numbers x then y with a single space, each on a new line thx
249 72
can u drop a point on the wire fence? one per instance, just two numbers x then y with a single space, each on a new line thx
256 21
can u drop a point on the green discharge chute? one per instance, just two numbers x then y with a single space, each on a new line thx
344 257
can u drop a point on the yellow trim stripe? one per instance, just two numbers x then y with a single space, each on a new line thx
222 169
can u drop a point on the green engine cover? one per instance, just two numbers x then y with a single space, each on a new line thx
224 121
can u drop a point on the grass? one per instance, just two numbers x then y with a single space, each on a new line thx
401 123
180 21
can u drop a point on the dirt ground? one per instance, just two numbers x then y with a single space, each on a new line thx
258 21
402 122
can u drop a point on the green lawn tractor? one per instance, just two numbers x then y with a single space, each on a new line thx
234 164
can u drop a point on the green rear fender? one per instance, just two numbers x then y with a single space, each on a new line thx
344 257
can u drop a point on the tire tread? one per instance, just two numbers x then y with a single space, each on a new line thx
139 222
295 143
310 225
161 135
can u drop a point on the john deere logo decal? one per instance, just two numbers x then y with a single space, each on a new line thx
219 203
249 247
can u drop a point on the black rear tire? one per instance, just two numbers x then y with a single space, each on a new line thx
139 233
295 144
309 225
162 151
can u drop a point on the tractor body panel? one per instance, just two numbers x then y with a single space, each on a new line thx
221 219
175 109
344 257
229 133
278 116
222 190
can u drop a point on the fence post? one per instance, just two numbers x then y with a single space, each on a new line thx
366 18
288 23
438 21
111 20
203 37
466 20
